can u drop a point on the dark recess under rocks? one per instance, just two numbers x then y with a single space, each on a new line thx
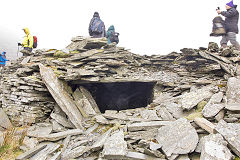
120 95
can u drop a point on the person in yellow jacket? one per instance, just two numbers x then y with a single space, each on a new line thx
27 41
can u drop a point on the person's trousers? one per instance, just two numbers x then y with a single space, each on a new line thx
230 36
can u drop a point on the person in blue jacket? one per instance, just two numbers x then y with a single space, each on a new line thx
3 59
112 36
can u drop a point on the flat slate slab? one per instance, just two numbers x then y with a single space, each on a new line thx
214 147
115 147
178 137
231 132
61 96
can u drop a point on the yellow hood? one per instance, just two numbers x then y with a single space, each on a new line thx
26 30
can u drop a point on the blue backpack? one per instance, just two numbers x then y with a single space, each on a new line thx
97 26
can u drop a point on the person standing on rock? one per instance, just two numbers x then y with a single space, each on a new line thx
96 27
112 36
27 41
3 59
231 25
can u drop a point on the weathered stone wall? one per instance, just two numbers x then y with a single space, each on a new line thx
24 96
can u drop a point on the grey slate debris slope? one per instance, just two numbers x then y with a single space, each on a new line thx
195 96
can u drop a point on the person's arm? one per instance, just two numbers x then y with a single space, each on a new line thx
230 13
25 41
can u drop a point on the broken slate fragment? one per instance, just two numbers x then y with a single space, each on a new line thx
178 137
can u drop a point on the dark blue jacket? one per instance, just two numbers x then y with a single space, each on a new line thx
231 20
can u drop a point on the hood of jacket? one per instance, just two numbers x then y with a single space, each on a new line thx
26 30
96 14
111 28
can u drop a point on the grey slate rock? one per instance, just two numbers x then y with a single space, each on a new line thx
214 147
179 137
231 132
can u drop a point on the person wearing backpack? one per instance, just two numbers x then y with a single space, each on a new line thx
231 25
27 41
3 59
112 36
96 27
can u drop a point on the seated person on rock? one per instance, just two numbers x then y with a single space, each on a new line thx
96 27
27 42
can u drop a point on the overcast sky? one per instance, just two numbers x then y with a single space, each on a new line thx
145 26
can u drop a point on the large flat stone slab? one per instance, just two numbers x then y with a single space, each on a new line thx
191 99
214 147
178 137
147 125
115 147
61 96
231 132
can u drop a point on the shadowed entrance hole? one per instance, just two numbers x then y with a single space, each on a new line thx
121 95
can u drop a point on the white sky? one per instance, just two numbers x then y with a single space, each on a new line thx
145 26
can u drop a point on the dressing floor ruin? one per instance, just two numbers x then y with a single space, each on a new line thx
119 95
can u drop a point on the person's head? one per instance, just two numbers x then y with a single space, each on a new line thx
4 53
229 5
96 14
26 30
111 28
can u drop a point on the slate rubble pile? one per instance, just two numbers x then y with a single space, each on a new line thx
194 113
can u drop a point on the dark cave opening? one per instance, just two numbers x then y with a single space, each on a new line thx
120 95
